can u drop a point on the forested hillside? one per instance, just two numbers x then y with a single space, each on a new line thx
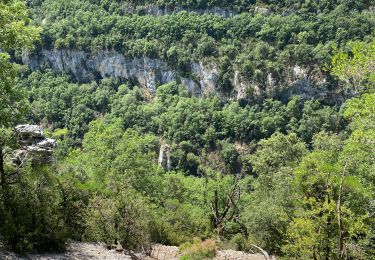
270 49
248 125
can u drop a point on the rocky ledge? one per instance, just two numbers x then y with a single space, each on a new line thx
33 145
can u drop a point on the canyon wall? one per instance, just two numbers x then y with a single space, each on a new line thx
150 73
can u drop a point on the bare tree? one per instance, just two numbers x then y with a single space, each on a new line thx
220 214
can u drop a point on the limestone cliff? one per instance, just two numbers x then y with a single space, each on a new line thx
150 73
155 10
146 72
165 157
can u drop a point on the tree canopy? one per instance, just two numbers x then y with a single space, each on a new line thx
294 177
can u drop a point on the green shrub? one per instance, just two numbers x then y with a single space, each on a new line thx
30 218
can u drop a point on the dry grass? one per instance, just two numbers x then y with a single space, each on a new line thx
199 250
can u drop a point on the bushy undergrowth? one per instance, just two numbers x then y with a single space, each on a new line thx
198 249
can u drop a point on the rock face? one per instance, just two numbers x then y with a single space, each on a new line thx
150 73
160 11
370 10
33 145
261 10
165 157
146 72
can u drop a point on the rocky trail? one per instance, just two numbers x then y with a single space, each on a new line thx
86 251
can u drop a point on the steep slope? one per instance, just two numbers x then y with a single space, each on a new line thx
260 50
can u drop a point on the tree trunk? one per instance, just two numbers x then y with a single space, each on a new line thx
2 171
219 231
339 219
3 184
328 229
264 252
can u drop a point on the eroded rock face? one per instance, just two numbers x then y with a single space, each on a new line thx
207 76
262 10
192 86
145 72
160 11
165 157
85 67
150 73
29 132
302 81
33 144
370 10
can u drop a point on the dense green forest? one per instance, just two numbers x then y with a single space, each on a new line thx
295 32
294 177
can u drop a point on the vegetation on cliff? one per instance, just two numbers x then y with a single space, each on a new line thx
303 33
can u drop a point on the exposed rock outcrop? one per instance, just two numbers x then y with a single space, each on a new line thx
370 10
160 11
262 10
165 157
33 144
150 73
146 72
